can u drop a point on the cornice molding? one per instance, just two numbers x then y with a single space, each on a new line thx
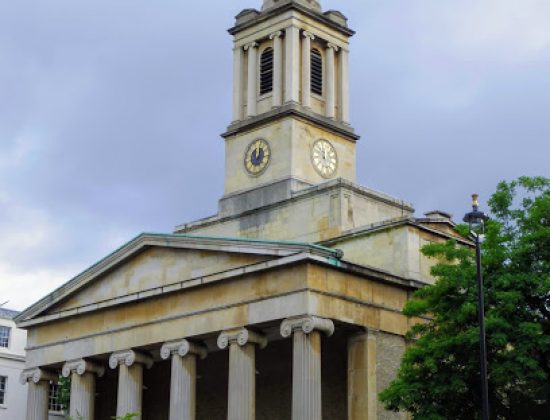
295 110
268 14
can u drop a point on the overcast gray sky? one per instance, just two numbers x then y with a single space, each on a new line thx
111 110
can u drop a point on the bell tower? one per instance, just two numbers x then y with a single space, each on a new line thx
290 152
290 123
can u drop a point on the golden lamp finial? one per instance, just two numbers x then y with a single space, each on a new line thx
475 201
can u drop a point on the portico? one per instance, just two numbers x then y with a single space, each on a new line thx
160 306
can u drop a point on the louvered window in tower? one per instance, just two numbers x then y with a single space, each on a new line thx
266 71
316 72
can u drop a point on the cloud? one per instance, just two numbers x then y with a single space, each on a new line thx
508 30
15 152
22 287
110 114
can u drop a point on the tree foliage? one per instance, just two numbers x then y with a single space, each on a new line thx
439 377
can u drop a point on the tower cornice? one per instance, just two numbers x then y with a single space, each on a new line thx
330 18
292 109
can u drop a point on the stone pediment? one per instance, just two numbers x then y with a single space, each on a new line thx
154 264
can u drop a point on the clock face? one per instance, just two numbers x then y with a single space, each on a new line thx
257 157
323 156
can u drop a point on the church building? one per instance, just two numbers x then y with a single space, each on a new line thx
287 304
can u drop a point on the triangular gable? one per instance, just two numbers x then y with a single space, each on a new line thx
157 261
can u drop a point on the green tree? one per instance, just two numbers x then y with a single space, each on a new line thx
439 376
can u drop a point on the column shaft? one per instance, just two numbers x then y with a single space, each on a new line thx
242 382
82 396
252 79
306 376
306 69
238 88
292 68
331 81
362 390
277 69
344 85
183 387
37 400
130 390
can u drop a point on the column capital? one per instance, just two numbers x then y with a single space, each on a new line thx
276 34
307 34
81 366
182 348
307 324
250 45
36 375
128 358
241 336
335 47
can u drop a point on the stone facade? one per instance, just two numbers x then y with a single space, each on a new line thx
288 303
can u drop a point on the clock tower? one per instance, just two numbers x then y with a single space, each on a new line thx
290 99
290 150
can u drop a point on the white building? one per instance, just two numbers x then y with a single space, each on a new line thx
13 395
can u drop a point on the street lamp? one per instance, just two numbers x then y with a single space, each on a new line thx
476 220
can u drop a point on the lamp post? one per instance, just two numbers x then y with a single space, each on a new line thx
476 220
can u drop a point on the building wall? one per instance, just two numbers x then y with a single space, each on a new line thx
12 362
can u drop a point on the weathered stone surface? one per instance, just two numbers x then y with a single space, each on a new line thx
390 349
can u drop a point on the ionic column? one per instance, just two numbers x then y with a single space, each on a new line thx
38 392
362 390
183 381
130 380
292 61
238 87
331 80
242 371
307 37
343 86
252 49
82 375
277 68
306 364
